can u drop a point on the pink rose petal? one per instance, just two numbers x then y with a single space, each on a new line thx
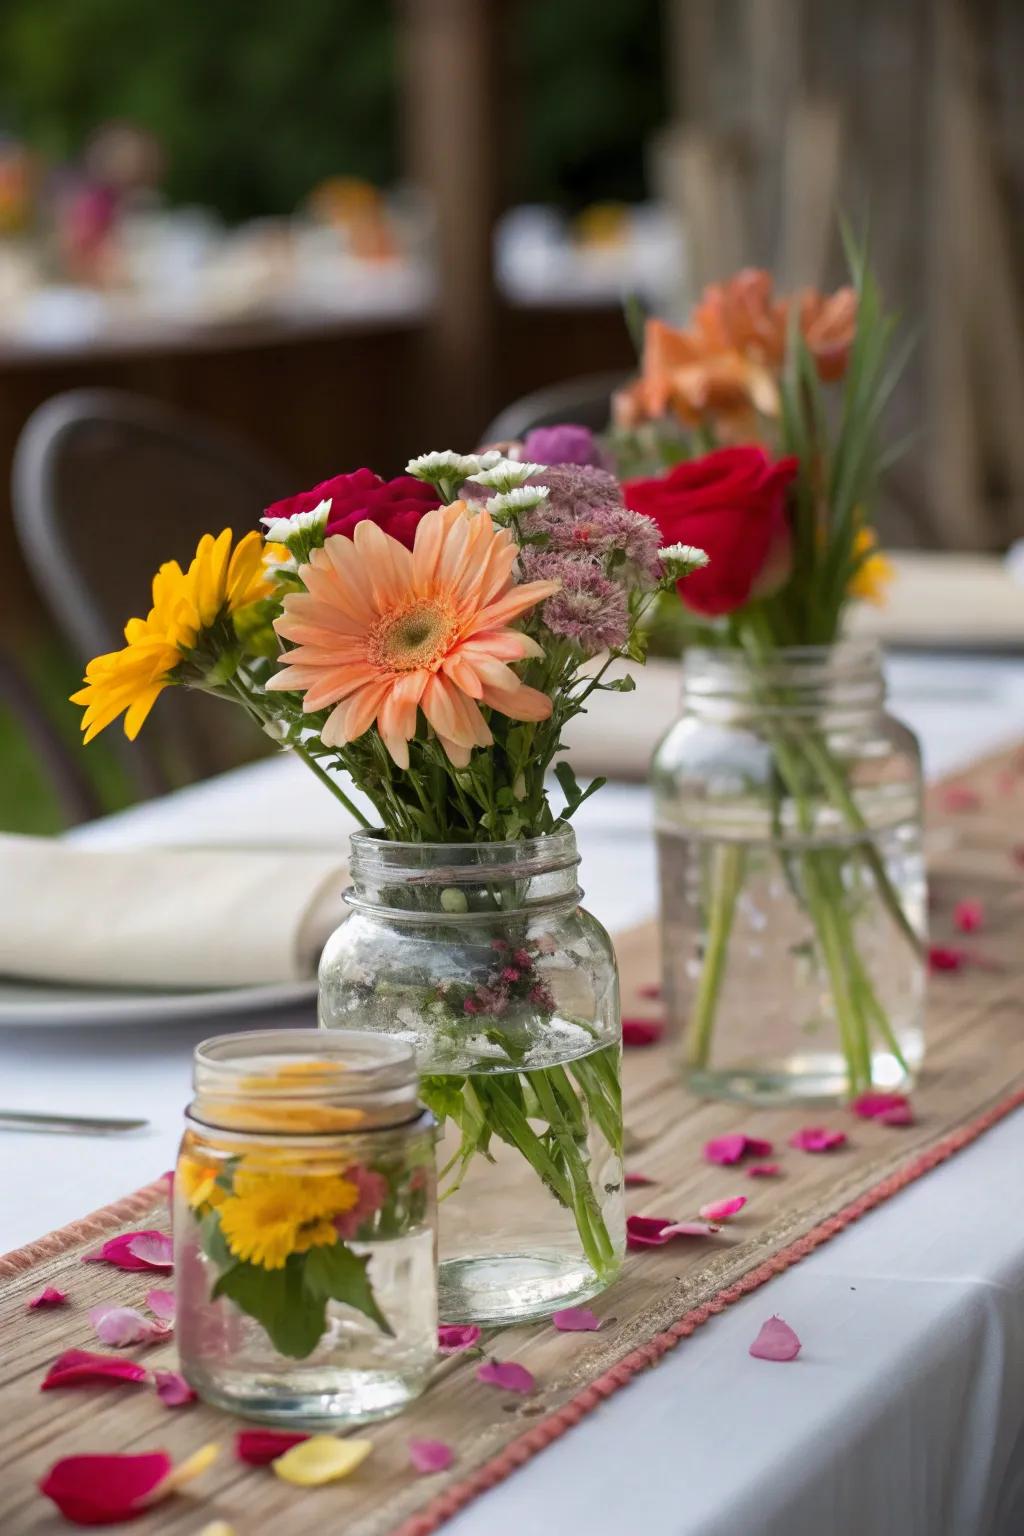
730 1149
172 1389
430 1455
452 1338
75 1366
763 1171
888 1108
637 1180
576 1320
122 1252
105 1490
120 1326
509 1375
959 798
641 1031
689 1229
776 1341
259 1447
49 1296
721 1210
1017 853
943 957
161 1304
652 990
655 1231
968 916
817 1138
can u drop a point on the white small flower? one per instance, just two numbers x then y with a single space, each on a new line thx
506 474
523 499
445 465
280 529
680 559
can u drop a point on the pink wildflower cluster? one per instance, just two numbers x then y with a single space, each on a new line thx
589 608
513 978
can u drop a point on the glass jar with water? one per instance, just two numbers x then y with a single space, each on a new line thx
481 957
788 809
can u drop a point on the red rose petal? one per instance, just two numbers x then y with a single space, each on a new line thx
49 1296
817 1138
642 1031
105 1490
763 1171
730 1149
637 1180
452 1338
430 1455
76 1366
124 1252
656 1231
259 1447
941 957
652 991
1017 853
899 1114
576 1320
889 1108
172 1389
161 1304
689 1229
509 1375
776 1341
959 798
968 916
721 1210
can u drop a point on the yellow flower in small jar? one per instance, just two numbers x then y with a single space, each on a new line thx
269 1216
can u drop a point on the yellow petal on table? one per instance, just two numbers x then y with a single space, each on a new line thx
217 1528
321 1459
191 1467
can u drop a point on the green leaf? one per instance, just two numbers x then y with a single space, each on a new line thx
568 784
293 1317
442 1096
223 669
337 1274
212 1240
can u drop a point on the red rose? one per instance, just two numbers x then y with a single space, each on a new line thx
394 505
731 504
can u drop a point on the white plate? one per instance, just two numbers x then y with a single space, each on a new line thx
31 1003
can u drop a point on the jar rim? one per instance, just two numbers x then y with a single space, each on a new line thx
373 843
344 1068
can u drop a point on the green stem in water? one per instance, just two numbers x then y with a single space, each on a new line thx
728 861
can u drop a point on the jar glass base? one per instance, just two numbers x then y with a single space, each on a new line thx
343 1398
502 1288
808 1077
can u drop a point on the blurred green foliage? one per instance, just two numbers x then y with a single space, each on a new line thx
255 101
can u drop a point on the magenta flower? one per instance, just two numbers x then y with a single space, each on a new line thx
566 443
373 1191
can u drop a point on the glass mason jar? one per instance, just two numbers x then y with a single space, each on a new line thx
481 957
788 811
304 1228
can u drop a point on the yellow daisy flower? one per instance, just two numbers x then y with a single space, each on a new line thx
269 1216
185 603
198 1181
871 579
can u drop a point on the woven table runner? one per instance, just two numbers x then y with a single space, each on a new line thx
974 1076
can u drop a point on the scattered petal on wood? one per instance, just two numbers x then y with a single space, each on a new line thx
1017 854
637 1180
78 1366
817 1138
430 1455
959 798
161 1304
172 1389
509 1375
721 1210
888 1108
764 1170
121 1326
656 1231
730 1149
217 1528
968 916
576 1320
690 1229
652 990
122 1251
943 957
154 1249
321 1459
452 1338
49 1296
642 1031
105 1490
260 1446
776 1341
192 1467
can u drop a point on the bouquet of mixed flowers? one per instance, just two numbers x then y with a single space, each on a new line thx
755 433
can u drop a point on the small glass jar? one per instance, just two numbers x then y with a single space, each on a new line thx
481 957
304 1228
788 810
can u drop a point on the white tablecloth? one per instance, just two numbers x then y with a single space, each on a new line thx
904 1415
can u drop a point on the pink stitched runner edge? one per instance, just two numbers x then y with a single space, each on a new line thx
128 1208
619 1375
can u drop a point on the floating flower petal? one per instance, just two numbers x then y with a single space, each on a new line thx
430 1455
452 1338
49 1296
775 1341
642 1031
968 916
576 1320
509 1375
120 1326
260 1446
321 1459
76 1366
172 1389
721 1210
817 1138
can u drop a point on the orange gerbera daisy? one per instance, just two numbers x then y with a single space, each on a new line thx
382 632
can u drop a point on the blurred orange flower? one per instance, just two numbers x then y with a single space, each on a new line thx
726 365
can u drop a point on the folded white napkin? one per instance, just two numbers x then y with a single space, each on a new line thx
153 917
